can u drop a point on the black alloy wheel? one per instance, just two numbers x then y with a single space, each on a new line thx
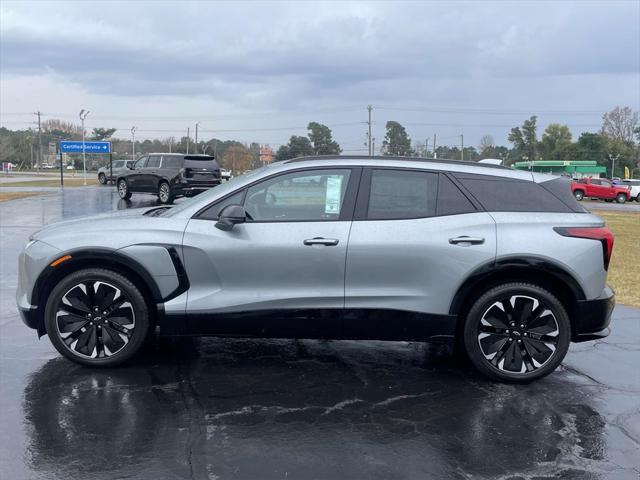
96 317
517 332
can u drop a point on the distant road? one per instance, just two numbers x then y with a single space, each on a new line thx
619 207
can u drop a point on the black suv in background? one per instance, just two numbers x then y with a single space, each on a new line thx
169 175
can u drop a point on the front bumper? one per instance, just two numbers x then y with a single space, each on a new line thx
591 318
32 318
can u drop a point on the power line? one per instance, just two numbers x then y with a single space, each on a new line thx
489 111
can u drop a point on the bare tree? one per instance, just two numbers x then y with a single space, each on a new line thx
487 146
620 123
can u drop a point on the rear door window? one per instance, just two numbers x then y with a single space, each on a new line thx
172 161
451 201
401 194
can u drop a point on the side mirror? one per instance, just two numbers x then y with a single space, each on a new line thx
229 216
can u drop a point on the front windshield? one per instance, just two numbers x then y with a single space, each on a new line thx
213 193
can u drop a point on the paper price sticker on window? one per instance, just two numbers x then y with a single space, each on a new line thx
334 192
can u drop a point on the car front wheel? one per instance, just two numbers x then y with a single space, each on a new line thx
96 317
102 178
123 189
621 198
517 332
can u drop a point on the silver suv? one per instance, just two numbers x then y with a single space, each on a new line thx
504 262
113 171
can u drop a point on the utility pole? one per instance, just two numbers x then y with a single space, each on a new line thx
369 140
613 164
461 147
373 147
426 148
39 113
83 115
435 155
188 140
197 123
133 143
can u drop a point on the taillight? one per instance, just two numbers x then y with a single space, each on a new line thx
603 234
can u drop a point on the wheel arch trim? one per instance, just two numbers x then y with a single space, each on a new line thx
104 258
504 266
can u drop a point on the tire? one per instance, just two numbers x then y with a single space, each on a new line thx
638 198
579 194
621 198
123 189
105 319
164 193
102 178
499 328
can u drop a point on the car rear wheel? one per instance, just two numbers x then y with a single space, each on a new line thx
96 317
517 332
638 198
164 193
579 194
123 189
621 198
102 178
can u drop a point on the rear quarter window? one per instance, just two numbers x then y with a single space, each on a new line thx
499 194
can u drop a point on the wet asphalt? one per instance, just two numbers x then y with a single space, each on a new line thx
259 409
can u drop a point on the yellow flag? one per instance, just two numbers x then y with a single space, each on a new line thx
626 173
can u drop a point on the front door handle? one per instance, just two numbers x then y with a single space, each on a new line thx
329 242
466 239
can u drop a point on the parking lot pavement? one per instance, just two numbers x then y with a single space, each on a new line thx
248 408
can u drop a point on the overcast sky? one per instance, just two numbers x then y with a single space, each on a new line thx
262 71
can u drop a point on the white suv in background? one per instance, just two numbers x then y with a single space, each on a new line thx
634 184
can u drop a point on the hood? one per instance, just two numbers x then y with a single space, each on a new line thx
113 231
90 222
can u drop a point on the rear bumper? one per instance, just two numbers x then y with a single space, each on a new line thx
591 318
194 188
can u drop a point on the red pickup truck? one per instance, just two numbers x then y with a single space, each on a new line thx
599 188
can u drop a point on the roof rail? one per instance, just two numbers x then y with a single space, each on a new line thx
389 157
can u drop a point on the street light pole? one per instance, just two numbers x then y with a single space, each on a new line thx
133 143
613 164
83 115
197 123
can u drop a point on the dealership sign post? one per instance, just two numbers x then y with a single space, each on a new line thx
74 146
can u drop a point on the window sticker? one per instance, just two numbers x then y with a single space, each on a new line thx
333 194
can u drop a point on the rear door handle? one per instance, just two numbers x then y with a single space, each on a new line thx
329 242
466 239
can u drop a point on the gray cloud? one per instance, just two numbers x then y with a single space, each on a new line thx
289 55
